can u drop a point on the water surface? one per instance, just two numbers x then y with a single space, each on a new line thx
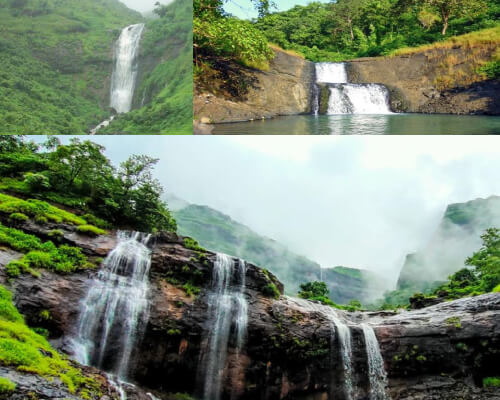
351 124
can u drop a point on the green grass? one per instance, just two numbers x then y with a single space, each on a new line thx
62 259
6 386
41 210
491 382
22 348
496 289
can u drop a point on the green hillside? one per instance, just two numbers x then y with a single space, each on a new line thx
218 232
56 61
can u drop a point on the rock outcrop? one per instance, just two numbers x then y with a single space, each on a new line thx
439 352
432 81
285 89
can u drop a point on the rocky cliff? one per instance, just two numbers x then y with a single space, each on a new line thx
292 347
285 89
437 80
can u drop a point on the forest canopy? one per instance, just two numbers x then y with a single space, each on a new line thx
78 175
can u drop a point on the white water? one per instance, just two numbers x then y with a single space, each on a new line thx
125 70
349 98
226 306
343 333
376 370
115 307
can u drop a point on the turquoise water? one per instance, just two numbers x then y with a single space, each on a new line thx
392 124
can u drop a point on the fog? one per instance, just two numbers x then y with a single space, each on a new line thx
143 5
356 201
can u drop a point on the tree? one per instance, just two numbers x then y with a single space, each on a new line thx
454 8
311 290
487 260
345 12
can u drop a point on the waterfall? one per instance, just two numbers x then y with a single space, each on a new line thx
227 305
350 98
125 70
376 370
115 309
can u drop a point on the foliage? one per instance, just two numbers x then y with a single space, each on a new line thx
347 29
54 57
81 177
491 382
6 385
270 290
313 289
166 87
192 244
24 349
90 230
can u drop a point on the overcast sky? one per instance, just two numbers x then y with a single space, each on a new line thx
357 201
245 9
143 5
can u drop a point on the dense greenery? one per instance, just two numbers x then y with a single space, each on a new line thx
481 276
318 291
55 56
28 351
167 76
78 175
356 28
217 34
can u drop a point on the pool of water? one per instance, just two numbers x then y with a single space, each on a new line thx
391 124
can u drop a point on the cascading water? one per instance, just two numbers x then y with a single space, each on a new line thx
125 71
227 305
115 310
376 370
350 98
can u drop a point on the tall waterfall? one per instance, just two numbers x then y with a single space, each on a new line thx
376 370
125 70
115 309
227 306
350 98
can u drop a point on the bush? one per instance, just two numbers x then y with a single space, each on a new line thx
56 234
491 382
36 181
6 386
270 290
18 217
192 244
90 230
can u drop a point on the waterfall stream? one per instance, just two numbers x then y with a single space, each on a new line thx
227 306
124 74
376 370
115 309
349 98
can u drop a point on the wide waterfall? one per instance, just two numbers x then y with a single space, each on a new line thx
349 98
125 70
376 370
115 309
340 330
227 307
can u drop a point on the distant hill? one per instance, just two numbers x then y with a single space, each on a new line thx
218 232
456 238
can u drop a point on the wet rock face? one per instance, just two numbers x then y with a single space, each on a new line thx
283 90
440 352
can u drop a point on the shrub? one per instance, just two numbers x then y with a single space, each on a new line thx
56 234
14 268
190 289
6 385
36 181
491 382
192 244
270 290
90 230
18 217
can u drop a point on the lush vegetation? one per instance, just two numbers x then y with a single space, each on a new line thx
22 348
481 276
217 34
318 291
54 57
167 77
62 259
357 28
79 175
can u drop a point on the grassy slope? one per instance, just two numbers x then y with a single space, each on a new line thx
53 65
170 84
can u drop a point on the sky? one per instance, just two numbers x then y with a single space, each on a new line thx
244 9
143 5
357 201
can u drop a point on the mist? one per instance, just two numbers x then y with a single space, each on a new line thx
363 202
144 5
